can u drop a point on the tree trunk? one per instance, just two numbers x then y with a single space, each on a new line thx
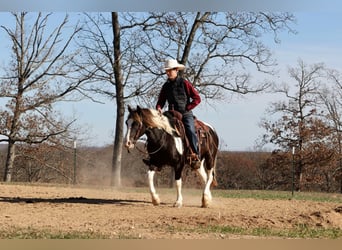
120 110
11 142
188 45
299 176
117 150
197 23
9 162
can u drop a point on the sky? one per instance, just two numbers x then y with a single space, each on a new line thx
318 40
237 122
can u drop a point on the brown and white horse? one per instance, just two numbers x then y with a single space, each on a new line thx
165 147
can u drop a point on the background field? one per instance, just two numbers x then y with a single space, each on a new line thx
46 211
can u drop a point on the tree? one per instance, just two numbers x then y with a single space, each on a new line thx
119 90
299 124
108 57
330 96
275 171
217 48
43 162
40 73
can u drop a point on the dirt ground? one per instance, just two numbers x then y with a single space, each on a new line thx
130 214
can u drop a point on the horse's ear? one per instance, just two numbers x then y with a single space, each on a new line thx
138 109
130 109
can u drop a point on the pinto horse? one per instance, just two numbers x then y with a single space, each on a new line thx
165 146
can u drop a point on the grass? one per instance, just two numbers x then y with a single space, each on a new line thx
279 195
31 233
253 194
299 232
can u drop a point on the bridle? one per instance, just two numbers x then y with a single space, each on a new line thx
137 134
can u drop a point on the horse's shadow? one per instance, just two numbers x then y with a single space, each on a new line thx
72 200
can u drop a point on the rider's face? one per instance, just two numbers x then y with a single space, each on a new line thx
172 73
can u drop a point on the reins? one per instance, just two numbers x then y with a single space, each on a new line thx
136 136
148 153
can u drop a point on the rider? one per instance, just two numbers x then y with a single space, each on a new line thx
182 97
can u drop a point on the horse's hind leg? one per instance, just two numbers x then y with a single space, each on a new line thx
154 195
179 201
207 176
207 198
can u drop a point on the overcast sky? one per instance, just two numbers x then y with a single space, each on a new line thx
318 40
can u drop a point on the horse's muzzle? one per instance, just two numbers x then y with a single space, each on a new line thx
129 145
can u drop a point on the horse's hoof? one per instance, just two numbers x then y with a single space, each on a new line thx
205 205
156 201
206 200
178 204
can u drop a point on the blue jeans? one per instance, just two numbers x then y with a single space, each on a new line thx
189 126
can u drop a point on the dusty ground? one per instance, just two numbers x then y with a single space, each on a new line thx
130 214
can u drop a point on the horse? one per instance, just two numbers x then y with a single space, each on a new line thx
167 147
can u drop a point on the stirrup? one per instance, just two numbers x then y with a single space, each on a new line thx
195 164
194 161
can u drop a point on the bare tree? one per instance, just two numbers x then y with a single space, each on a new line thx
331 97
299 124
40 73
217 48
120 105
108 46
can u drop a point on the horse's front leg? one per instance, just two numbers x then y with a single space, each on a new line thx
154 195
179 201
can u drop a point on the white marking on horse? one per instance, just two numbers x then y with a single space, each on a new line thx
179 201
207 176
155 196
128 143
179 145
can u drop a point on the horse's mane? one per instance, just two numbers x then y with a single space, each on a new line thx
152 118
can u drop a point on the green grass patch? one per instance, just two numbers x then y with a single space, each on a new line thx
31 233
245 194
299 232
278 195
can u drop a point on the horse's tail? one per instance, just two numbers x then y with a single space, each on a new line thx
214 182
215 140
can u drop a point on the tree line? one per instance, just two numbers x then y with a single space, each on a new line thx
119 56
92 166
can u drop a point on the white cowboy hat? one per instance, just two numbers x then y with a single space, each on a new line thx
172 64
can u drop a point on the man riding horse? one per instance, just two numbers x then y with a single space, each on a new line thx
182 97
167 144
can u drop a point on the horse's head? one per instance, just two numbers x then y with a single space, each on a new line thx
139 120
135 127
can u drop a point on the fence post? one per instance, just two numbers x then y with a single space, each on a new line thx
75 157
293 170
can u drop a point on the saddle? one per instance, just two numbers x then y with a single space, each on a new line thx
201 128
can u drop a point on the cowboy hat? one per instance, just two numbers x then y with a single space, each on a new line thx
172 64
